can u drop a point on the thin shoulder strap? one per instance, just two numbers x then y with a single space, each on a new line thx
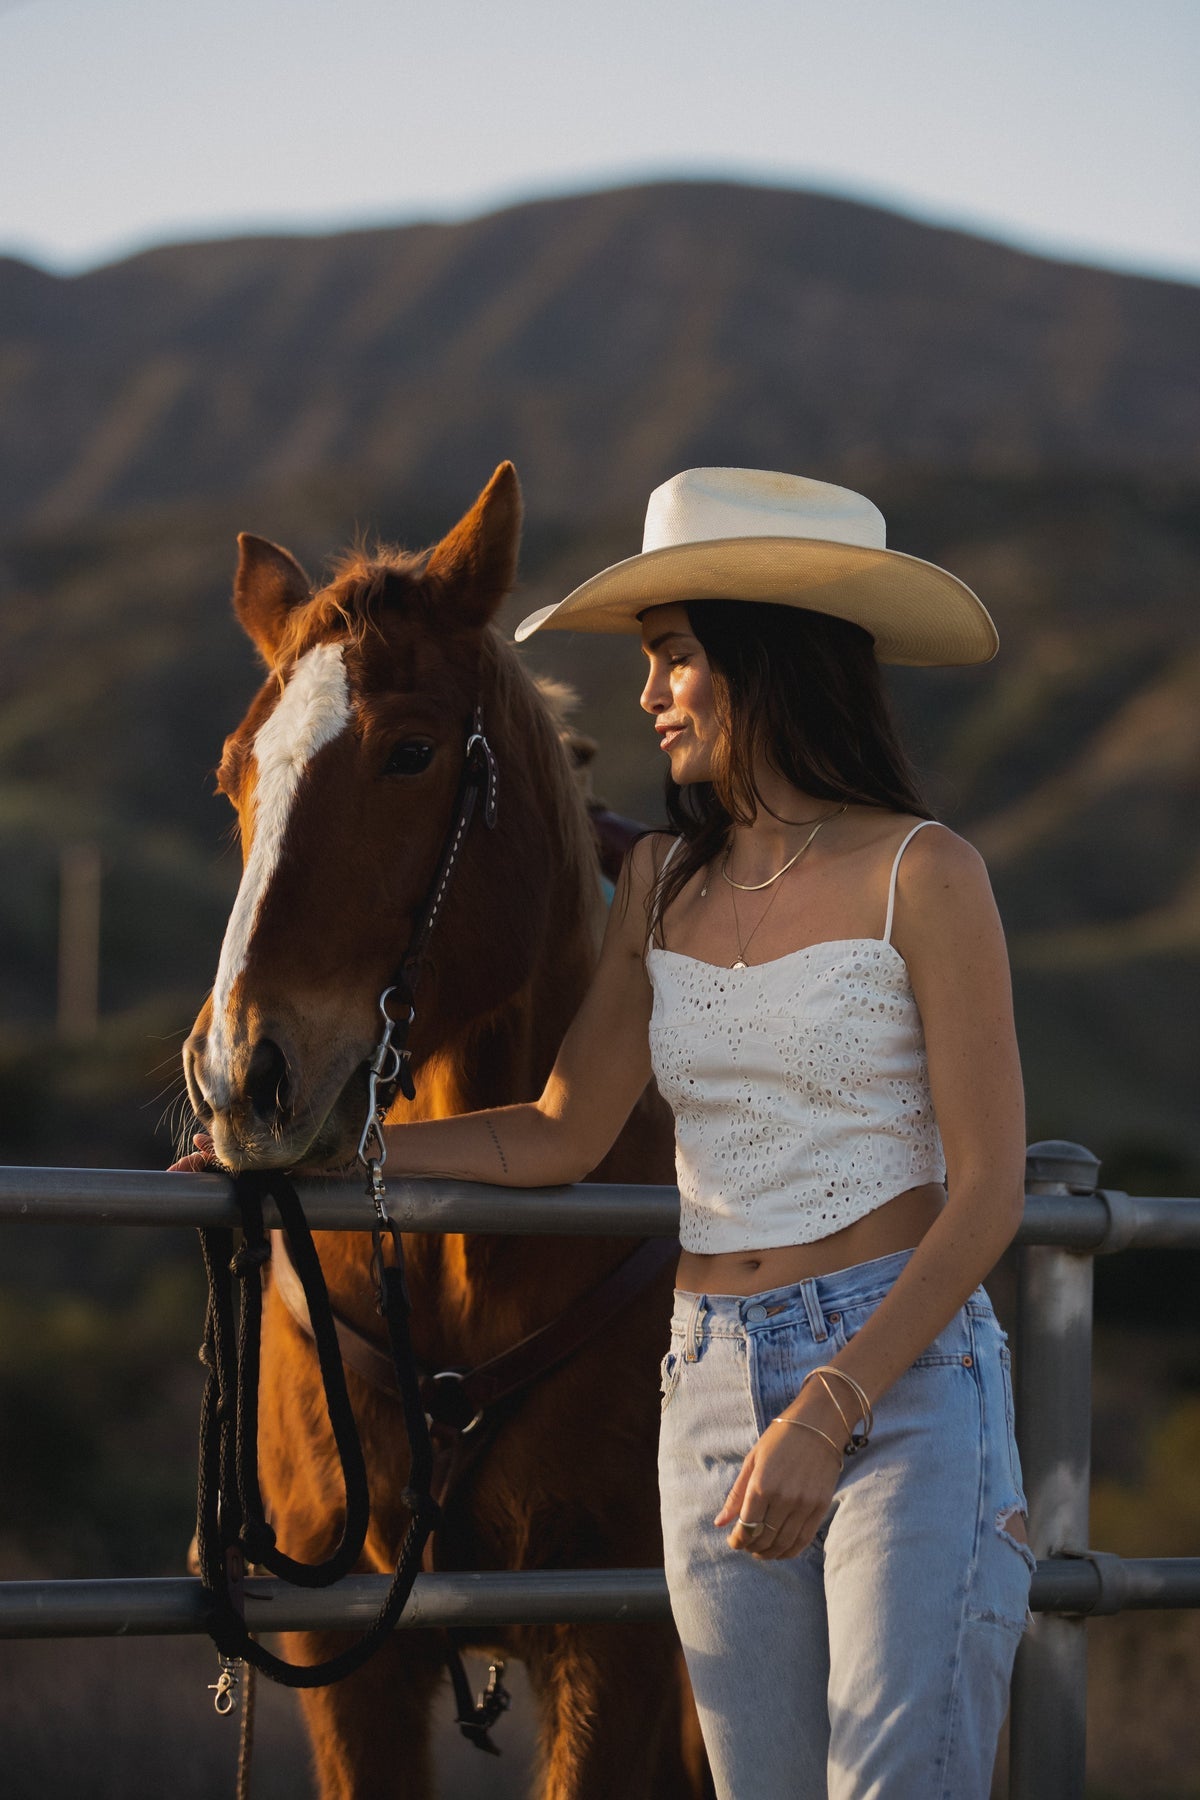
887 929
675 843
673 847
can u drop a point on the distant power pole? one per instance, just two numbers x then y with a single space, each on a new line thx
79 943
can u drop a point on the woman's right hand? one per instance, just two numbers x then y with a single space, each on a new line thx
201 1158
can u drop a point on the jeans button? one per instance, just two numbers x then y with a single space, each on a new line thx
756 1312
835 1318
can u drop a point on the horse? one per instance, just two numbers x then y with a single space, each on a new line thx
343 774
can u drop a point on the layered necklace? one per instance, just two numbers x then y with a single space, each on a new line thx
756 887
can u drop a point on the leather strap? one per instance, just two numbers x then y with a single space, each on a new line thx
454 1398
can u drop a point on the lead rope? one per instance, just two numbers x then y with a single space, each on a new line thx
246 1735
231 1531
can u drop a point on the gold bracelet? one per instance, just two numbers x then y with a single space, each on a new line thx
847 1427
781 1419
858 1440
859 1393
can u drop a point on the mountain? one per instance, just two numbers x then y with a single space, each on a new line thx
1034 425
597 340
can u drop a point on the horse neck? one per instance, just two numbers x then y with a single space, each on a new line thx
476 1293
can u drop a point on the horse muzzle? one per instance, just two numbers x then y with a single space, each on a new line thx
262 1114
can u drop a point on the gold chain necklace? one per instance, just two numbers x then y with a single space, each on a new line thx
740 961
754 887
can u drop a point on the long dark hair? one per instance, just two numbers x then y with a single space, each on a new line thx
802 691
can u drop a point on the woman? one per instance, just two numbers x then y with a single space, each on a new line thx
816 975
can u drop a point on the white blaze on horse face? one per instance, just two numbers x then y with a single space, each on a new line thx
313 709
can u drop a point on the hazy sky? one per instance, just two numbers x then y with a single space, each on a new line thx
1071 126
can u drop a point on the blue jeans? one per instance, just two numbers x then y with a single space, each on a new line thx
875 1665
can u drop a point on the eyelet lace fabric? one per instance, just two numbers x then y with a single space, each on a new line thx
800 1091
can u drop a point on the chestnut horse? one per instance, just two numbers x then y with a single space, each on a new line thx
344 774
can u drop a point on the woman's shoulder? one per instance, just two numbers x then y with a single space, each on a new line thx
640 875
648 856
941 883
927 850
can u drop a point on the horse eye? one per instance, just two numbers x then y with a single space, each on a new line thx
409 758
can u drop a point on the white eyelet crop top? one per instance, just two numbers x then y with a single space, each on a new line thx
799 1087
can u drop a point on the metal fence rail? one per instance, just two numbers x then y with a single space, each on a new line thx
173 1606
1098 1220
1067 1221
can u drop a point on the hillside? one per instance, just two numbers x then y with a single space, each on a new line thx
597 340
1034 425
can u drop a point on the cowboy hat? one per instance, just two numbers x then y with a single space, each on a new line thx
751 534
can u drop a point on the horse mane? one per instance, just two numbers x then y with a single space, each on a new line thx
532 711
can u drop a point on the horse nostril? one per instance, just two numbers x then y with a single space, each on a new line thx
193 1074
267 1087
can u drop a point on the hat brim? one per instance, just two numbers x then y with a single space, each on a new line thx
917 613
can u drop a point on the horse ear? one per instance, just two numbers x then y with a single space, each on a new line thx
268 584
477 561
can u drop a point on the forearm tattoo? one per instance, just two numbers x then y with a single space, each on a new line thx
499 1146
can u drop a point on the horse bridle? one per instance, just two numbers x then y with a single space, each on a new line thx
390 1066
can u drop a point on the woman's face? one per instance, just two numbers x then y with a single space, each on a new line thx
678 693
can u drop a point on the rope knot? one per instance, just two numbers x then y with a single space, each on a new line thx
249 1258
258 1540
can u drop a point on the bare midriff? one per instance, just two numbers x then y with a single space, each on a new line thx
899 1224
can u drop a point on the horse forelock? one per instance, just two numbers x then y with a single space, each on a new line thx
366 587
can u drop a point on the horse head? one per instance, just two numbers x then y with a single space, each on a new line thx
344 775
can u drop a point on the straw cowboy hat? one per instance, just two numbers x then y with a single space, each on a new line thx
751 534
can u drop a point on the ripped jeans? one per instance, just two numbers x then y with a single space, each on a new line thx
875 1665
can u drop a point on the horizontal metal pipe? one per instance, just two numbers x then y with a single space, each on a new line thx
174 1606
1110 1221
152 1197
1076 1584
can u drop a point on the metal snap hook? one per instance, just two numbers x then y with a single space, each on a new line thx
224 1689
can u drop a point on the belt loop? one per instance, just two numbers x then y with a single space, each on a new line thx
691 1335
812 1306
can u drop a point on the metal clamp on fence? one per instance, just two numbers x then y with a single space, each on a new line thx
1112 1586
1123 1221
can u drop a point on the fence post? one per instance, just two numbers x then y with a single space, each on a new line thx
1048 1742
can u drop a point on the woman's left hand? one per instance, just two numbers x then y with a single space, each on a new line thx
788 1479
202 1157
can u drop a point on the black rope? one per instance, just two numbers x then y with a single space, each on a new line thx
230 1526
257 1537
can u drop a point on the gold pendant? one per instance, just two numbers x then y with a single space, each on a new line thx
739 964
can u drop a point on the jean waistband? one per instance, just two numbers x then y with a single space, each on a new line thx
820 1299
